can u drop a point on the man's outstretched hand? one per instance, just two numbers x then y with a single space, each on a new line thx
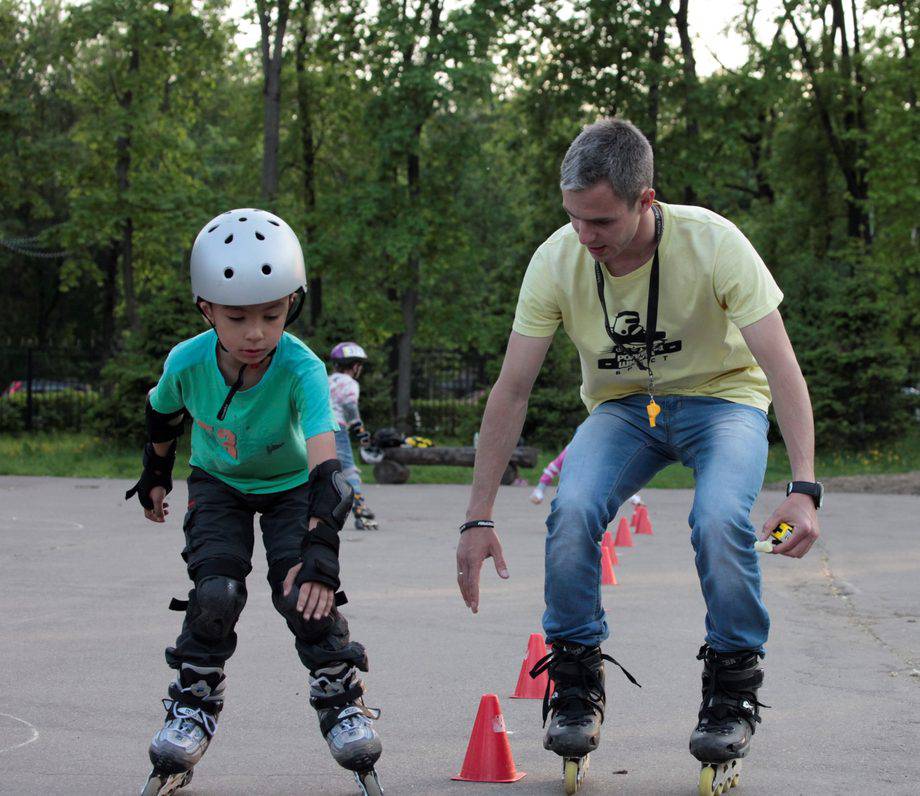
476 545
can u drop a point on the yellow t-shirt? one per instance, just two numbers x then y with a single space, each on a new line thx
712 283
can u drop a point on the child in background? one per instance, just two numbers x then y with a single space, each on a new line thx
552 472
347 361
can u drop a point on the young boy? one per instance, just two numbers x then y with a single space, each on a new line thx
347 361
262 442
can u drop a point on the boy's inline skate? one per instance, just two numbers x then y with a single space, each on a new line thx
728 716
195 700
365 519
577 705
336 692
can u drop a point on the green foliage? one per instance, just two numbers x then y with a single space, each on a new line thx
419 159
64 410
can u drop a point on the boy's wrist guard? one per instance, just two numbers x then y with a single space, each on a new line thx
157 472
164 428
330 499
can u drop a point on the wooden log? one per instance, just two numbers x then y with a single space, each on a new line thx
453 456
510 475
390 472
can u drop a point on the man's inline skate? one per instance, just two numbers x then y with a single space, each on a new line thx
336 692
195 700
728 716
577 705
365 519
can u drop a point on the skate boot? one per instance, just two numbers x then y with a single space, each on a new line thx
345 722
577 705
365 519
728 715
195 699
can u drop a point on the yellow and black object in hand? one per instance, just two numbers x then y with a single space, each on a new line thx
780 534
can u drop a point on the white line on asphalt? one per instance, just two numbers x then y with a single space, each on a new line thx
32 727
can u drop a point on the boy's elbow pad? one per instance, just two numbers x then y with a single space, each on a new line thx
164 428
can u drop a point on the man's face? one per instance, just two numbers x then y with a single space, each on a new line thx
249 333
605 223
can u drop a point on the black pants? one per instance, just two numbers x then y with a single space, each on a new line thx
219 539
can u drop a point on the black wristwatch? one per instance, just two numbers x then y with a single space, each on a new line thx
814 489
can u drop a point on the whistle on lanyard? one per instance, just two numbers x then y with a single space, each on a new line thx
653 411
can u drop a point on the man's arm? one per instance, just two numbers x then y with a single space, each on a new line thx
501 428
770 346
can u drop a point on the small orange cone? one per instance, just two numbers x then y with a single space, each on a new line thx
644 525
608 576
633 521
527 686
488 756
623 538
607 544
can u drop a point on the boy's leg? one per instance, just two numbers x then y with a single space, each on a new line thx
218 554
324 645
364 517
218 551
726 445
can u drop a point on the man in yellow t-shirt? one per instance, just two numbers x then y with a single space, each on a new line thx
675 319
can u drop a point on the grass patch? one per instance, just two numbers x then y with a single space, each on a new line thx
83 456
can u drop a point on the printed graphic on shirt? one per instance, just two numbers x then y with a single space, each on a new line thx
629 350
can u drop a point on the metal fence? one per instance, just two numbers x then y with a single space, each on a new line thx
447 390
47 389
44 389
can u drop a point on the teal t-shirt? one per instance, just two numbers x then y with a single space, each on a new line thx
260 445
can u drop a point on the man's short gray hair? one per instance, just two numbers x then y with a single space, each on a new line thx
614 150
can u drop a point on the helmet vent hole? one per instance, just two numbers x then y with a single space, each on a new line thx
214 227
229 238
228 273
260 236
266 269
242 218
270 221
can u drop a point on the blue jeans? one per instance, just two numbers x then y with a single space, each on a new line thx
347 459
614 454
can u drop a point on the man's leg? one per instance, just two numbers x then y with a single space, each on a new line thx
726 445
613 454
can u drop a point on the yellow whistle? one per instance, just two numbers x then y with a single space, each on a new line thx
653 411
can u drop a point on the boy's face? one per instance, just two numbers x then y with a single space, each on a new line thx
249 333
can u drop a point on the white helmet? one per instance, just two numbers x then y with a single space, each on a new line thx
246 257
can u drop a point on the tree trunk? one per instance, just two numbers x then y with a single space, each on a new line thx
690 84
409 298
123 182
661 15
272 51
308 152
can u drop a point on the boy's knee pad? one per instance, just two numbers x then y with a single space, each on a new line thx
215 605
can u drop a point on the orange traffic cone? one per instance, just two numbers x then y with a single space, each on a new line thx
607 544
527 686
644 525
608 576
488 756
623 538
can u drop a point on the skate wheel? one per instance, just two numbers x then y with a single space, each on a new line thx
165 784
573 773
369 783
707 776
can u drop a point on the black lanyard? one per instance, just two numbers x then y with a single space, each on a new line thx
651 315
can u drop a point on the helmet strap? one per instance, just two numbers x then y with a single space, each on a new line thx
294 312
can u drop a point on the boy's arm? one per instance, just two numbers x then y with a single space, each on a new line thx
163 429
